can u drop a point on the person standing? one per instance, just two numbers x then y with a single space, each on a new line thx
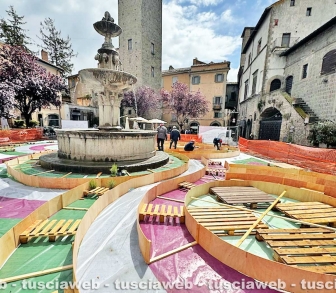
161 136
174 137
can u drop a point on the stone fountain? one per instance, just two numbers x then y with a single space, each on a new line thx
93 151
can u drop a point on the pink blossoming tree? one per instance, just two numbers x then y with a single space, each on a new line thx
183 103
25 85
143 100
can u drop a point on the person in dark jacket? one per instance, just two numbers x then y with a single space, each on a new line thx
161 136
217 143
174 137
190 146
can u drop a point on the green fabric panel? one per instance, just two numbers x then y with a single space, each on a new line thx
250 161
68 214
83 203
3 173
38 254
14 153
7 224
31 285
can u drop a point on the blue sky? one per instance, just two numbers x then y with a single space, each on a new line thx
207 29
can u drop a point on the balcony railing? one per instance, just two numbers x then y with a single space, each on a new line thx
217 106
284 44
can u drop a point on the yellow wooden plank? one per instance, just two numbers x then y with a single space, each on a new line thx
308 259
306 250
65 227
74 227
57 227
149 210
169 210
38 228
156 210
176 213
30 228
162 213
47 228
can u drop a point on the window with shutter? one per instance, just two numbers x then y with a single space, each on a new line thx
289 84
329 62
275 85
304 71
254 82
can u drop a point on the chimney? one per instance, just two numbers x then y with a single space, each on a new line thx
44 55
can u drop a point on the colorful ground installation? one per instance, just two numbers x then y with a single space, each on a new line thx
207 221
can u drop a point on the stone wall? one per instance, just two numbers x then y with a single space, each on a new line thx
317 90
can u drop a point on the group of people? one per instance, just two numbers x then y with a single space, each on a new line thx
175 136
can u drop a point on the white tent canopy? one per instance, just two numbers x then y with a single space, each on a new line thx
139 119
157 121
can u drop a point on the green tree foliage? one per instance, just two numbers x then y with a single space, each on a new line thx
323 132
58 48
11 31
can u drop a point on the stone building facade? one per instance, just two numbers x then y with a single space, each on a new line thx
211 80
140 44
272 101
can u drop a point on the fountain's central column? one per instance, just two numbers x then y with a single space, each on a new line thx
111 75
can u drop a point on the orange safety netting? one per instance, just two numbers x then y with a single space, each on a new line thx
314 159
20 135
189 137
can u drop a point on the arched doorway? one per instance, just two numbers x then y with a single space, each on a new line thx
275 85
270 124
215 123
194 127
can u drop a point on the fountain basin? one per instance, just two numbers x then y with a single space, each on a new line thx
93 151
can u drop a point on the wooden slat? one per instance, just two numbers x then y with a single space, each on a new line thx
65 227
312 211
169 211
57 227
320 269
299 230
175 213
162 213
210 216
308 259
307 215
218 213
38 228
156 210
234 227
232 223
74 227
307 251
321 220
298 243
299 236
303 204
47 228
149 209
220 220
30 228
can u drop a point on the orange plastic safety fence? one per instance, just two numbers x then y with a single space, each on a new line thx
314 159
22 135
189 137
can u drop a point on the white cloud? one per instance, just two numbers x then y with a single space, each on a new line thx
227 16
188 37
200 2
232 76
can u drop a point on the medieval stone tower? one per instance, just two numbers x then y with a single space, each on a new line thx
140 44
